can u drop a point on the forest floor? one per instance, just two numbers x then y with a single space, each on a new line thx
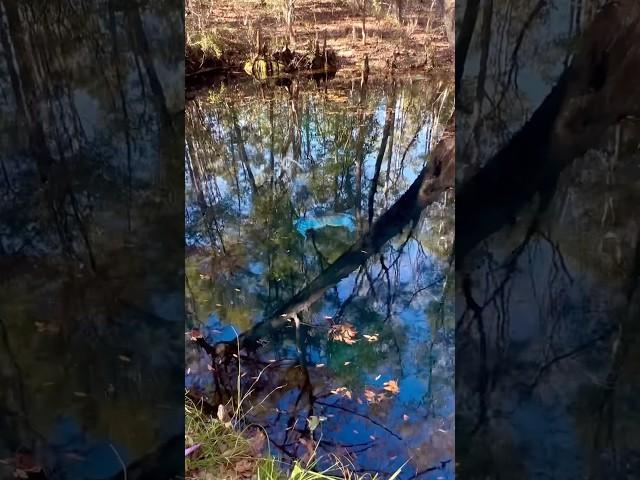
419 42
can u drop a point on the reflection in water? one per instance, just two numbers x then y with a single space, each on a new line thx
547 245
345 339
91 291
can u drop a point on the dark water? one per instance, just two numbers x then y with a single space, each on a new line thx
547 316
90 308
265 165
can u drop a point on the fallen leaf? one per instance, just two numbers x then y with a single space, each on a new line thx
257 442
223 416
392 386
343 392
343 333
192 449
370 395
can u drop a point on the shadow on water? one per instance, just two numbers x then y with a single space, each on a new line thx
88 129
305 237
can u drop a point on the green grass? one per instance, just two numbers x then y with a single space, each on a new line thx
225 446
221 445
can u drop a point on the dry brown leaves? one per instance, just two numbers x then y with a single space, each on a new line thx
372 396
392 387
343 333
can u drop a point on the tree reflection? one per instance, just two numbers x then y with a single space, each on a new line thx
88 133
542 297
360 151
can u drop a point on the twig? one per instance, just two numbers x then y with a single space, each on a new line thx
124 467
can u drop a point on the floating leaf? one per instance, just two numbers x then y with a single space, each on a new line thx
370 395
343 392
392 386
343 333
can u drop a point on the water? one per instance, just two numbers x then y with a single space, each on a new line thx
91 304
260 158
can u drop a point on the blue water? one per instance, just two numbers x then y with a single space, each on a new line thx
342 220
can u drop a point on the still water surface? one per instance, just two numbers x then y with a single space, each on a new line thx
279 185
91 305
